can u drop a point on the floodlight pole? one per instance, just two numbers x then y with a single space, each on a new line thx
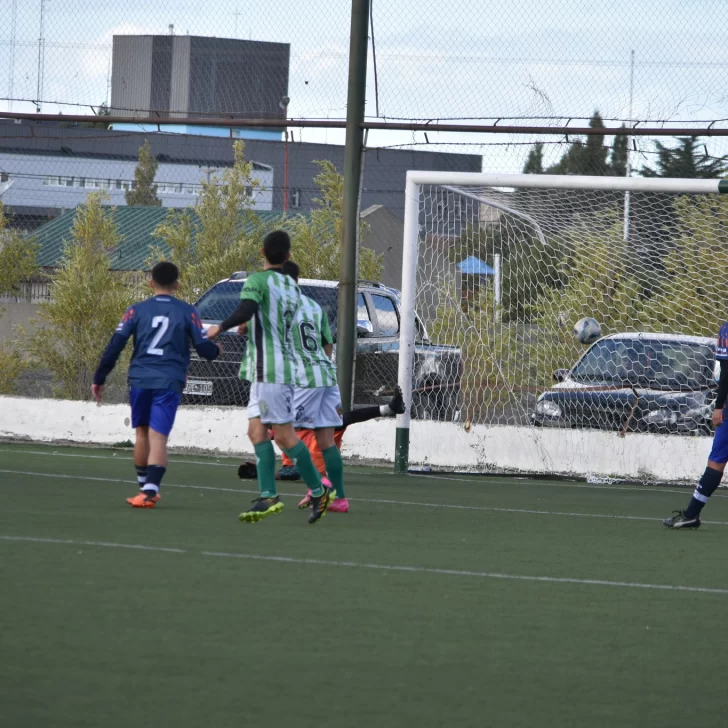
356 99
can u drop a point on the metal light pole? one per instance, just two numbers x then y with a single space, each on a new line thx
627 195
356 99
283 103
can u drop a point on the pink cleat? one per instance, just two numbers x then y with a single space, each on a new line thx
339 505
305 502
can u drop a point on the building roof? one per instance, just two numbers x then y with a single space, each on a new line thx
135 225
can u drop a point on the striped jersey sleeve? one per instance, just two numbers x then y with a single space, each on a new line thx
310 333
270 356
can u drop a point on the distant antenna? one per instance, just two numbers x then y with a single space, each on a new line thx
171 28
41 57
13 28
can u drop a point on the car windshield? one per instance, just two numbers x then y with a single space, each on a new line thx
221 300
656 363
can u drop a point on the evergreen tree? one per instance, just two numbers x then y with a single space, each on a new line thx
618 162
534 163
144 193
686 161
585 158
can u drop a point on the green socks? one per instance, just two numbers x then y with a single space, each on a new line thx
302 460
265 457
335 469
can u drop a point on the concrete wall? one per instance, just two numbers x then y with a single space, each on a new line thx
483 448
15 314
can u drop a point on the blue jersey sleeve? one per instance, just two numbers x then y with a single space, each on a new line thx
118 341
721 351
203 346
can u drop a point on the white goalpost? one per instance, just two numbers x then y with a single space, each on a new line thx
548 327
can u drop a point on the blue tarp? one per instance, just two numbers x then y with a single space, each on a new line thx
473 266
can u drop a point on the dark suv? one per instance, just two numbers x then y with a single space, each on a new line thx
437 370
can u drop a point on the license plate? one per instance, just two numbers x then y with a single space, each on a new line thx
195 386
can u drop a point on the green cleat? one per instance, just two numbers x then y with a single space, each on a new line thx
261 508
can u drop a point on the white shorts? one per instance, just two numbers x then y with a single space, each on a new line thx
273 403
317 407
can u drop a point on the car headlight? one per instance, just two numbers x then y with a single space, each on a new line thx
548 408
661 417
699 413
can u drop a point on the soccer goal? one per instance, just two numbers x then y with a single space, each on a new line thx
561 324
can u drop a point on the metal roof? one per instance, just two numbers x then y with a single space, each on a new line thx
135 226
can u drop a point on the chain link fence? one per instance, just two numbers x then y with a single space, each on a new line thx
476 86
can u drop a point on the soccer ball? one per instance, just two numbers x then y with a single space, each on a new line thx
587 330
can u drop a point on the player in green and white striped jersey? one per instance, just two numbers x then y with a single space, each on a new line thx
317 400
270 301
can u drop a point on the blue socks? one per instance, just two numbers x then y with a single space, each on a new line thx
155 473
707 485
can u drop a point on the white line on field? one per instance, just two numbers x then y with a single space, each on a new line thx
385 501
475 478
377 567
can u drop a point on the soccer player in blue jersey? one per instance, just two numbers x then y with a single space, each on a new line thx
162 327
710 480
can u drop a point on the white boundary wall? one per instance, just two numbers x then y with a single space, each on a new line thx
222 431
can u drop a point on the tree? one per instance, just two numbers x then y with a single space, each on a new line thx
534 162
317 238
585 158
225 236
17 257
144 192
686 161
618 162
17 264
690 296
87 303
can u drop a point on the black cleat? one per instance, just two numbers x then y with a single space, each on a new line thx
680 520
396 404
288 472
319 505
261 508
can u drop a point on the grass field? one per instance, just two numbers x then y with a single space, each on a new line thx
449 601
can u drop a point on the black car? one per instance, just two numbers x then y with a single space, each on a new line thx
437 370
636 382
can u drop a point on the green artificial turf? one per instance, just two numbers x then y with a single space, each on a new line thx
412 620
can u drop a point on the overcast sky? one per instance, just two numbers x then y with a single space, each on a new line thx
466 58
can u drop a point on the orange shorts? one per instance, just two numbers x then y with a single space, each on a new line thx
308 437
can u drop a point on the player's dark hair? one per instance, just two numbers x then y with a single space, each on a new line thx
276 247
291 269
165 274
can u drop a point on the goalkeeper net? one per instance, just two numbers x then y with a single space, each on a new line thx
561 324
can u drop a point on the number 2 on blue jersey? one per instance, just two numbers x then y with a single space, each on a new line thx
161 323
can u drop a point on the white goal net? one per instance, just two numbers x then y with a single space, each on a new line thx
561 324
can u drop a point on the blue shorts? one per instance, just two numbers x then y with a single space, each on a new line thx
155 408
719 451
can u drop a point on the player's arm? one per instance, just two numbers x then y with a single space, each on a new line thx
111 354
203 346
250 299
721 354
327 340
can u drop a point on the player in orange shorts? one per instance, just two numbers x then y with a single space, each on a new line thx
288 472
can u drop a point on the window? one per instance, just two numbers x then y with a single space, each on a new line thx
295 198
69 181
4 176
118 184
386 315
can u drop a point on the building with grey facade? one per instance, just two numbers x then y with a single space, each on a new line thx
188 76
32 153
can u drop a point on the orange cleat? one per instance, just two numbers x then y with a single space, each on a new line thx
142 500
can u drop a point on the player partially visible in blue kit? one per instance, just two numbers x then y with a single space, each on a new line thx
163 328
710 480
